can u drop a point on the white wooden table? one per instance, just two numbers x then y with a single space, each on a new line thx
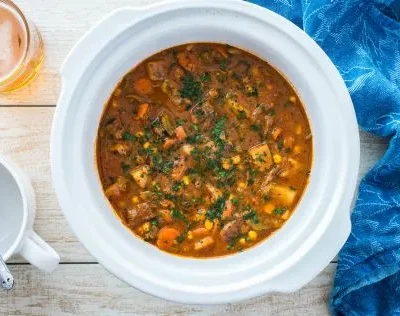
80 286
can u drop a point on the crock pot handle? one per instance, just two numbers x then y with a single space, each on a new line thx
96 38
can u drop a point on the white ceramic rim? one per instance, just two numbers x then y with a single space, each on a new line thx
143 279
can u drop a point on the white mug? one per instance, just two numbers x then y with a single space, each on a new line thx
17 214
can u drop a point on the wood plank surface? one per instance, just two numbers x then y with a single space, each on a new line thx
76 289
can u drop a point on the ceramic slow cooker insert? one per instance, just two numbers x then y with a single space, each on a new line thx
319 226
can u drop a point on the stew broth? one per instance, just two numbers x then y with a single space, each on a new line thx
204 150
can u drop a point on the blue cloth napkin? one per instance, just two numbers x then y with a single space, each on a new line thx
362 38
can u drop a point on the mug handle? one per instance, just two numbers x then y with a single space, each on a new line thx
39 253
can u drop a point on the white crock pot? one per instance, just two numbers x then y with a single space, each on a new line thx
321 223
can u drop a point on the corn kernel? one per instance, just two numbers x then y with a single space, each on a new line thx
146 227
242 185
298 130
269 208
139 134
190 235
135 200
293 99
146 145
277 158
242 241
186 180
297 149
199 217
231 197
236 160
252 235
226 163
286 215
208 224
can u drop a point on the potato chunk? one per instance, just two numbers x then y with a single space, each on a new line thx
261 156
281 193
141 176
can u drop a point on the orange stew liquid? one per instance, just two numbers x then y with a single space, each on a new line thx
204 150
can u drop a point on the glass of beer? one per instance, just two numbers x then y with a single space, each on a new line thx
21 48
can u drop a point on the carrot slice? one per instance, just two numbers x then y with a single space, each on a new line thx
167 237
143 86
142 111
180 133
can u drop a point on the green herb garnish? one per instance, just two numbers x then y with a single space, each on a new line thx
280 211
191 89
206 77
253 92
216 210
128 137
125 167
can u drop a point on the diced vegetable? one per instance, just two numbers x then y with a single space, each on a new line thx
143 86
157 70
215 193
281 193
167 237
167 124
180 133
122 148
168 143
143 110
179 169
204 243
237 108
117 188
141 175
261 156
187 60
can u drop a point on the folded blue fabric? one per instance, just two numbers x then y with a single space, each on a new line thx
362 38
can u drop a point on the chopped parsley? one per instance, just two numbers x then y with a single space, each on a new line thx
181 238
191 88
255 127
177 186
280 211
206 77
252 176
242 115
235 201
177 214
180 122
194 139
125 167
216 210
223 65
161 165
253 92
251 215
217 132
128 137
280 144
